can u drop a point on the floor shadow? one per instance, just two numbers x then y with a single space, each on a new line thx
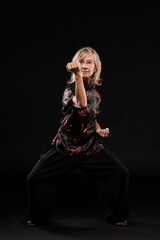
61 228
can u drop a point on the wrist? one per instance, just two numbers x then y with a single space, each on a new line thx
78 74
98 129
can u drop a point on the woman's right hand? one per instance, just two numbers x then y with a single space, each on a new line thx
73 67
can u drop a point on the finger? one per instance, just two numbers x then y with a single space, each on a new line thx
106 133
76 66
73 64
103 134
68 67
107 130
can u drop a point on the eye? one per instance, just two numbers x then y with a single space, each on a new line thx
81 61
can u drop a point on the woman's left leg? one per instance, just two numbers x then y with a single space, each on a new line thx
111 177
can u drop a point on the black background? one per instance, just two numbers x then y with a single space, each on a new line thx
38 39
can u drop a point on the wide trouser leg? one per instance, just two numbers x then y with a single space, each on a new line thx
111 177
44 181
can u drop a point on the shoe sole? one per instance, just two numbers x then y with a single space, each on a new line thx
31 225
121 224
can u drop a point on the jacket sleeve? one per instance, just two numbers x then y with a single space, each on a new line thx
68 94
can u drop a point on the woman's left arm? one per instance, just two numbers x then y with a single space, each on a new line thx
102 132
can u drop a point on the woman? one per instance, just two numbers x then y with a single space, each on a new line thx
77 145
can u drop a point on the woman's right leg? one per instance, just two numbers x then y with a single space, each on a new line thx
43 182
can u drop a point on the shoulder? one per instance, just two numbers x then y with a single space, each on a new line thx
70 86
69 89
96 94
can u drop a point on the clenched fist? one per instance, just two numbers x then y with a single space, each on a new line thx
103 132
73 67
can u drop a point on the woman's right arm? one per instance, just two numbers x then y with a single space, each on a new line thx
80 98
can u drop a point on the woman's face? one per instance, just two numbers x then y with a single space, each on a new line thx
87 66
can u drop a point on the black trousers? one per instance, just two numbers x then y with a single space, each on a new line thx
108 173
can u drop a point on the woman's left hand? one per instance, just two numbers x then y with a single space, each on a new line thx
103 132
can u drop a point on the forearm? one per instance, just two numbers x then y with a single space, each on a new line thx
97 125
80 92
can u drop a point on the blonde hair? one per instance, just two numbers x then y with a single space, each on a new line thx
80 54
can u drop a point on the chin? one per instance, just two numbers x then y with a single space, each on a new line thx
86 77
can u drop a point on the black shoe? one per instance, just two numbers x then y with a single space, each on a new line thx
42 223
31 224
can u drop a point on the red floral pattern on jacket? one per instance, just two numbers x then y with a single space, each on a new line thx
77 133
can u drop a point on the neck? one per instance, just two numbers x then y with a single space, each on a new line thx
87 81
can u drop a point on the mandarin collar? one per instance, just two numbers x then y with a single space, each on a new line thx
88 86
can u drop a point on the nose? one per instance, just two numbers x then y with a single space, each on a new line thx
84 65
